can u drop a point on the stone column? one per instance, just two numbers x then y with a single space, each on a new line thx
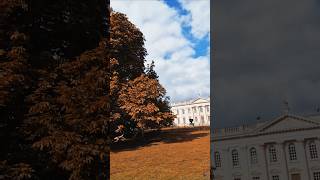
302 156
265 156
283 158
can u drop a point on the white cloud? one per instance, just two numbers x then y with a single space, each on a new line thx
200 16
182 75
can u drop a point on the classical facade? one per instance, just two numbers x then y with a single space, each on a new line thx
286 148
198 110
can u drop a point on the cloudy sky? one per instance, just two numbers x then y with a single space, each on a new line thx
177 39
267 51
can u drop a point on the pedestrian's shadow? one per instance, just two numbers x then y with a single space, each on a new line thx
176 135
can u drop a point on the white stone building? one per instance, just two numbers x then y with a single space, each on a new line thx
286 148
198 110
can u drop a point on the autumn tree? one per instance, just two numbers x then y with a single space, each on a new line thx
138 99
54 87
14 85
69 115
127 47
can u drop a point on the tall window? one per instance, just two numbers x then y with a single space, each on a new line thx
189 110
272 154
184 120
253 155
235 158
316 176
313 150
275 177
217 159
194 109
207 107
200 109
202 119
178 111
292 152
178 121
196 119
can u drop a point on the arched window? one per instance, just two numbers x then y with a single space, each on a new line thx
292 152
273 154
253 155
217 159
313 150
235 158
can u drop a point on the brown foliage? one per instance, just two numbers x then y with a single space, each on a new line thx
137 98
126 46
69 114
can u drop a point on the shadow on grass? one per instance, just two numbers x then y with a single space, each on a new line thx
168 135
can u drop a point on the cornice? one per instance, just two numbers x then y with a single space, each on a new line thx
250 135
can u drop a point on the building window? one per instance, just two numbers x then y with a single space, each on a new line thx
313 150
217 159
235 158
182 111
194 109
189 110
184 120
177 111
207 107
196 119
292 152
202 119
275 177
253 155
316 176
178 121
272 154
200 109
256 178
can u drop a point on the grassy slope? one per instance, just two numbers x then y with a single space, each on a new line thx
172 154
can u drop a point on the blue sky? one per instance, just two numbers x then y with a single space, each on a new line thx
177 39
201 45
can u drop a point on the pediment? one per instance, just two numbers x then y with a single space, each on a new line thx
292 170
315 168
275 171
200 100
287 122
236 174
255 173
